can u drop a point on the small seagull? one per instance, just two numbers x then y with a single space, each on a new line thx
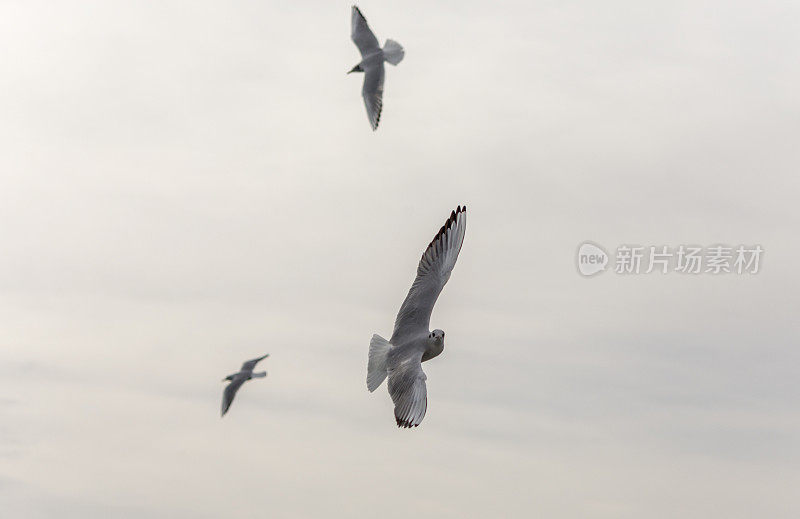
237 379
372 58
401 357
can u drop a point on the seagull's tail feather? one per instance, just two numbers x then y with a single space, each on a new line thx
260 374
376 368
393 52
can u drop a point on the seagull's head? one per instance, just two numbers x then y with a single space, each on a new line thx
435 345
229 377
357 68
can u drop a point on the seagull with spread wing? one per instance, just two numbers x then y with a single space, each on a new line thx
412 343
371 64
237 379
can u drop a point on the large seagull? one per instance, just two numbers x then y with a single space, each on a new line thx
412 343
371 64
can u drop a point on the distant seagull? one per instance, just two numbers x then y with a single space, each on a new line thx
412 343
237 379
372 58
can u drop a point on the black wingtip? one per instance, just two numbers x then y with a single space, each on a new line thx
449 223
405 424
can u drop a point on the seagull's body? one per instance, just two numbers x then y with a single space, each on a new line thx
239 378
401 357
371 64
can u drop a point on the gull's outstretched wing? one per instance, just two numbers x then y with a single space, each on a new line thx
373 94
362 35
408 391
250 365
230 392
433 272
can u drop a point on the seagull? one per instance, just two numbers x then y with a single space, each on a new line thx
237 379
401 357
372 58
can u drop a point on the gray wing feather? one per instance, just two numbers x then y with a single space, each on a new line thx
408 391
373 94
250 365
362 35
434 270
230 392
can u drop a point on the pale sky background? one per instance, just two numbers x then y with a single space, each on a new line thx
186 185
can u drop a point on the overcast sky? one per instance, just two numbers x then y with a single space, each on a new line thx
186 185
